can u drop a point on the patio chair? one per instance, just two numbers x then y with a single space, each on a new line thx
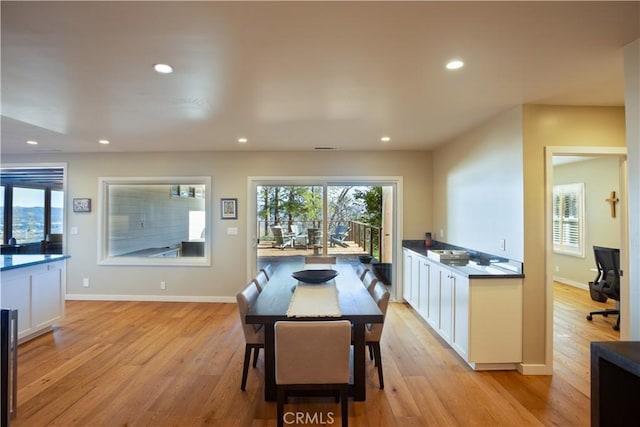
282 238
299 236
339 236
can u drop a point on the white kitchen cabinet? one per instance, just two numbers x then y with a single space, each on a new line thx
433 295
37 292
446 304
460 314
407 258
423 286
480 318
416 278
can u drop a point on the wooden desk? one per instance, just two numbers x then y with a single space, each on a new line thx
356 305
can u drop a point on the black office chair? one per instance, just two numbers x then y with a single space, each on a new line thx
607 282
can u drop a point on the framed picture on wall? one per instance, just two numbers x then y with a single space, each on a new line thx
82 205
229 208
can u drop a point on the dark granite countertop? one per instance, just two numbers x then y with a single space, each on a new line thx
11 262
479 265
624 354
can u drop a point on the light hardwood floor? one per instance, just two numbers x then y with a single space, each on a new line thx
179 364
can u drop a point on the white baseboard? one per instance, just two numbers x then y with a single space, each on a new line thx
156 298
535 369
571 283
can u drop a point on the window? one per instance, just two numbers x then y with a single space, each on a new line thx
154 221
28 215
32 207
568 219
2 239
57 211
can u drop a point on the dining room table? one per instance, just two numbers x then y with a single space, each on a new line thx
284 298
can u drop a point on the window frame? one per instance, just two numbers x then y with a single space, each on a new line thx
103 215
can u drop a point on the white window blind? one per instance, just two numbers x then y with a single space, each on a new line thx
568 219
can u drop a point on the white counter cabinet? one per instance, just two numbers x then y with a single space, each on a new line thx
480 318
37 292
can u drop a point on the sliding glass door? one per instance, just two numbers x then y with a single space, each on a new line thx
353 220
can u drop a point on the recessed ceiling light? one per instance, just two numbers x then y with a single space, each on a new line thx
104 141
31 142
163 68
242 140
455 64
385 139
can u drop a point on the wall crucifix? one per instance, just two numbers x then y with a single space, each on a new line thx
612 200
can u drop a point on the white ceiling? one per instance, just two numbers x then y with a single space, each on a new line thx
295 75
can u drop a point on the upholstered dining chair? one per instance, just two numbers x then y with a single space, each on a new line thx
253 334
373 331
369 280
319 259
361 270
312 355
261 280
268 270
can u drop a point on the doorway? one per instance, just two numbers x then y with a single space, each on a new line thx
584 256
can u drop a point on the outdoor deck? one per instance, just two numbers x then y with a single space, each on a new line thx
265 249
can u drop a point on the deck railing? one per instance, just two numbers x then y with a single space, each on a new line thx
365 235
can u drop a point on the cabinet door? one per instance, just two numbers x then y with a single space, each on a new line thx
423 287
446 304
433 290
16 294
415 281
47 296
460 327
406 282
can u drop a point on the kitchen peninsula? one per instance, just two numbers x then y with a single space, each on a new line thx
35 286
472 300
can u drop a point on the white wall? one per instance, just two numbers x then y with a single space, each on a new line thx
229 172
478 188
632 104
600 176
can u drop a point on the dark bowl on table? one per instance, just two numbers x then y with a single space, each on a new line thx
314 276
365 259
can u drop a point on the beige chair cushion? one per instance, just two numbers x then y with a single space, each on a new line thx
373 331
369 280
309 352
261 280
253 334
361 270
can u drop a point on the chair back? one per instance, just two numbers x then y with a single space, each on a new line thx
608 264
278 234
261 280
381 296
369 280
245 299
340 232
361 270
268 270
312 352
320 260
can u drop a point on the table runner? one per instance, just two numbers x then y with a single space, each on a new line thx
315 301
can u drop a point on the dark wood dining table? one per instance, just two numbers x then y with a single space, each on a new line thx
356 305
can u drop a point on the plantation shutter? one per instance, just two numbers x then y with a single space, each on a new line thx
568 218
